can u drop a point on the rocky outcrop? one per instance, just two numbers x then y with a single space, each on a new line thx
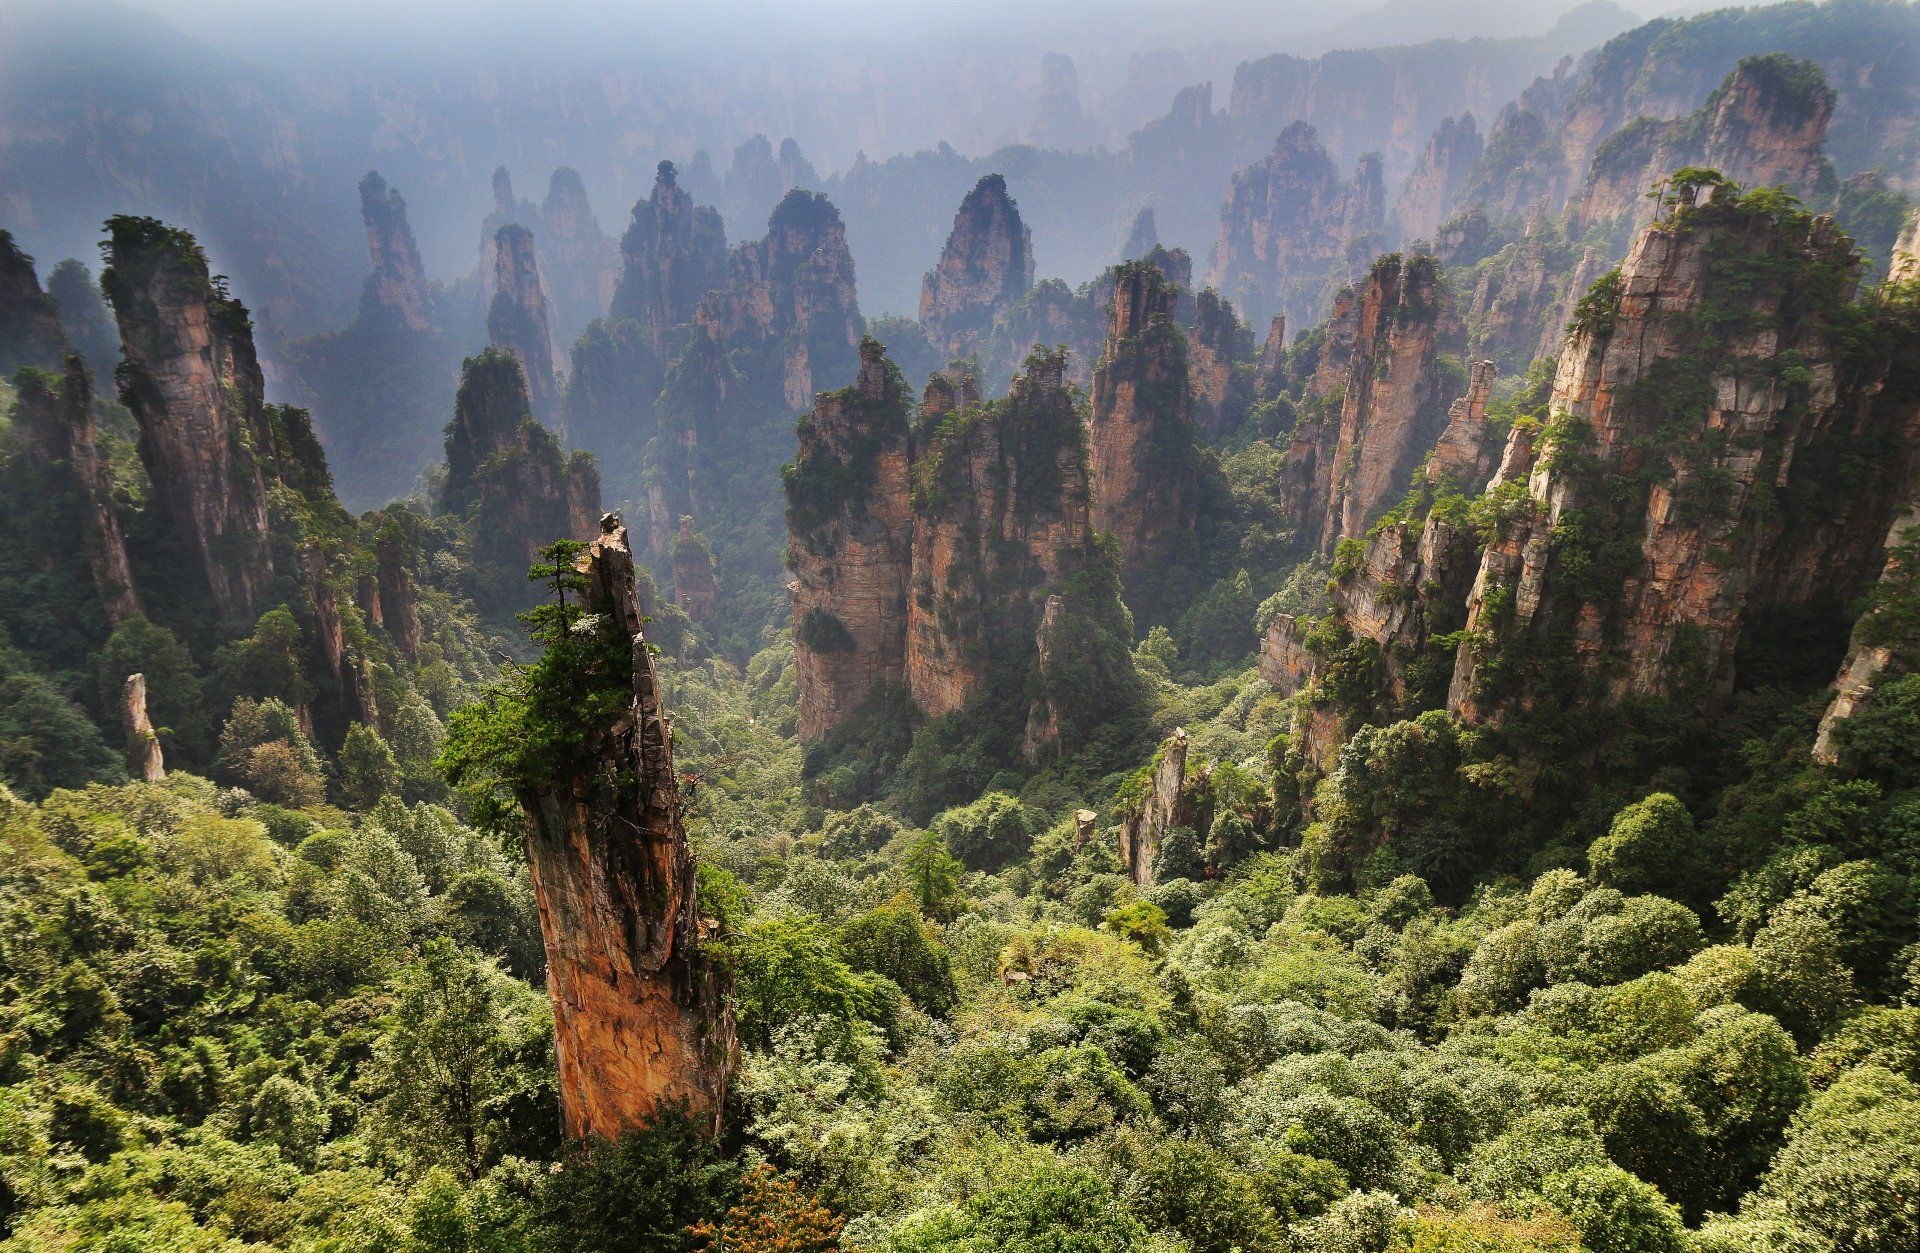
1216 346
1883 646
850 544
1272 369
1377 403
1291 228
694 589
1427 199
640 1013
1145 464
1142 237
145 762
757 179
508 210
399 597
86 319
673 253
1706 406
1905 266
1465 455
955 558
517 320
791 297
578 260
1765 126
1170 800
193 383
583 495
487 411
54 420
30 333
984 270
398 284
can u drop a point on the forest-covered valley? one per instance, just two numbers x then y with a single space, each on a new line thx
1346 681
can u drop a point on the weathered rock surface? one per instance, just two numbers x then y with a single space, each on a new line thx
30 333
1291 228
1702 414
398 284
673 253
580 262
1427 199
641 1019
1145 465
1376 405
193 383
1215 347
1171 800
517 320
55 423
694 589
145 762
984 270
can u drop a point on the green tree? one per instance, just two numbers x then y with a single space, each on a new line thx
176 701
1649 848
266 664
368 770
934 877
640 1193
1851 1167
894 941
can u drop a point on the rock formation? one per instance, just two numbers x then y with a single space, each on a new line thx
954 558
1704 406
673 253
1427 198
1215 347
193 383
1170 800
399 597
1290 225
86 319
1272 369
694 589
487 411
1765 126
1377 403
517 320
640 1010
1142 237
1882 647
398 284
30 333
54 420
984 270
577 259
1145 463
850 543
145 762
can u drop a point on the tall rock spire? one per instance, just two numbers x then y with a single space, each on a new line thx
194 385
398 283
986 267
517 320
30 333
673 253
640 1013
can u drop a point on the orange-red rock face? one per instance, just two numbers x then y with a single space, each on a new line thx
1377 402
640 1009
850 553
194 386
984 270
1689 449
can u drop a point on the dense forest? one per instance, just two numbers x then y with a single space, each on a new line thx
1399 736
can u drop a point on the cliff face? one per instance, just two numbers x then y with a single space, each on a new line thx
144 759
30 333
1145 466
1170 800
790 299
1427 198
55 421
517 320
1377 403
1705 408
639 1007
985 268
1765 126
955 558
694 589
579 259
674 252
1217 344
849 544
487 411
398 284
194 386
1290 224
